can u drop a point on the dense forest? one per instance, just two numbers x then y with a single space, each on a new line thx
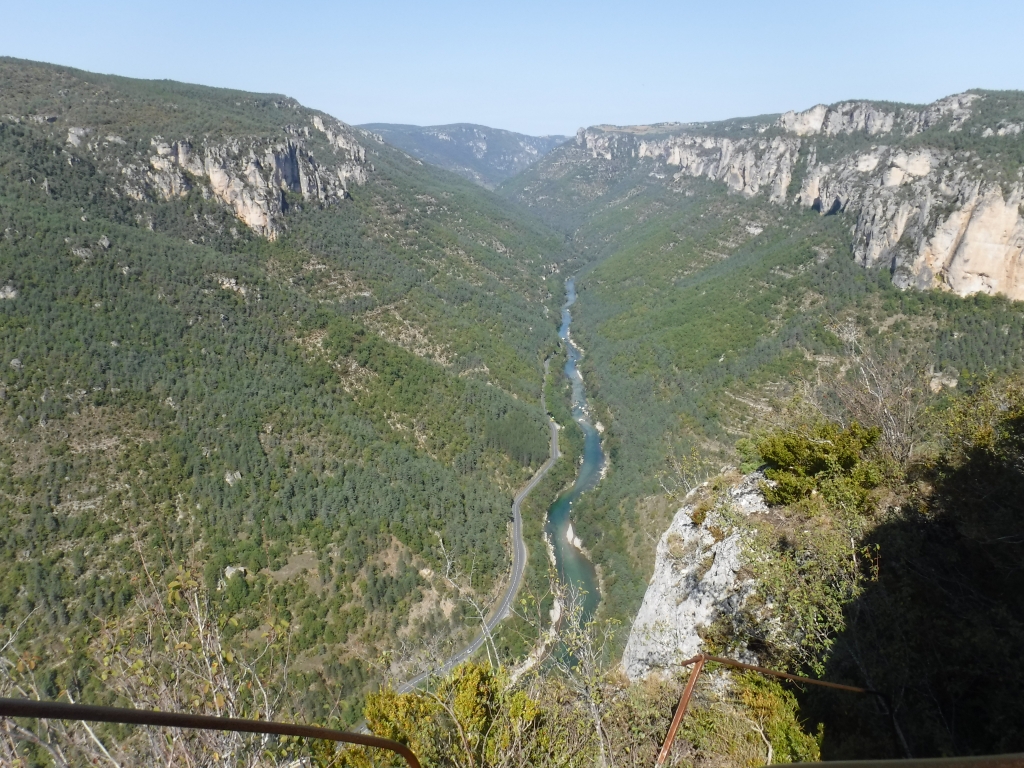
312 423
266 471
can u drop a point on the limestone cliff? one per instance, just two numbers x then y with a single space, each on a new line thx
250 175
696 580
938 212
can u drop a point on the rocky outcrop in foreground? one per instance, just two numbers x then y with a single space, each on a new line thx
937 213
696 580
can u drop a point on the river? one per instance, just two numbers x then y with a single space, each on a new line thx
573 566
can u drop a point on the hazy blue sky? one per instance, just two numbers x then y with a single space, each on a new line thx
539 67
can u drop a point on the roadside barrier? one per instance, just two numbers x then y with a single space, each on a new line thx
52 710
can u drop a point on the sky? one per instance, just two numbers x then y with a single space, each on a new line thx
539 67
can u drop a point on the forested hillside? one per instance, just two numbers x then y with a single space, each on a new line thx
708 302
304 409
268 385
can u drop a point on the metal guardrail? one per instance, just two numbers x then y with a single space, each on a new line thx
56 711
698 662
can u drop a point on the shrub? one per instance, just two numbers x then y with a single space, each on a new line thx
823 458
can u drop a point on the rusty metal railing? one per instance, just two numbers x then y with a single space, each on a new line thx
57 711
700 659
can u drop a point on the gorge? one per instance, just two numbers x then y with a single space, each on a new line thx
262 363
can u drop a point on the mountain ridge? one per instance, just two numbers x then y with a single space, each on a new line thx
935 188
486 156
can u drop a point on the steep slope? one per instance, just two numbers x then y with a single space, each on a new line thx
935 190
237 332
849 567
486 156
720 253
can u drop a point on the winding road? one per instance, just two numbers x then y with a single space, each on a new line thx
518 563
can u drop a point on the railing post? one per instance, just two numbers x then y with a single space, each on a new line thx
684 702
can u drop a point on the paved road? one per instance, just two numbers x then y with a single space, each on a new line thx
518 565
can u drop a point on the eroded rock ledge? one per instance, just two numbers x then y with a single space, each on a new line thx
936 217
249 175
696 580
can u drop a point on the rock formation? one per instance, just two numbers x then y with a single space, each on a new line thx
249 175
934 216
696 580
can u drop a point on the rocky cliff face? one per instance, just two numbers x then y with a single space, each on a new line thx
696 580
249 175
935 191
257 154
486 156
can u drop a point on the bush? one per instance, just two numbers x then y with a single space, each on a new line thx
775 710
820 459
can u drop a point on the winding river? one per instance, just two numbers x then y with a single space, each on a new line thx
573 566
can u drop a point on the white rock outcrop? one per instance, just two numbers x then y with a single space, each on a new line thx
696 580
805 123
249 175
874 119
748 167
76 136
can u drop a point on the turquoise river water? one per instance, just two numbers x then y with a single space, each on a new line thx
573 566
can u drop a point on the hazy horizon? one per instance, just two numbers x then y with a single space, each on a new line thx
538 69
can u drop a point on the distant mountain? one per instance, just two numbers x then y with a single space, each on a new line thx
486 156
